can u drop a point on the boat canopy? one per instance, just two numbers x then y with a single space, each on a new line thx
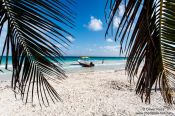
84 57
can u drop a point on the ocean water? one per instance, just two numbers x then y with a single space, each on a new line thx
110 63
70 64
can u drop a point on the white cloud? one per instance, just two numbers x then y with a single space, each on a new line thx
90 50
116 22
95 24
109 40
117 19
111 48
121 9
99 50
70 38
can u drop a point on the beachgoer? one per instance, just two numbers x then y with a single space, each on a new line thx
102 61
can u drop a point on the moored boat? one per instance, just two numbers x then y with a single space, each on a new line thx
84 62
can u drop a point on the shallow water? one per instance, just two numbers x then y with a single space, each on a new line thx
71 65
107 65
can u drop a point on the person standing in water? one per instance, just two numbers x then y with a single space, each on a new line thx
102 61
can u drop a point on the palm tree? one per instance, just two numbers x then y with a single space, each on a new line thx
152 41
34 35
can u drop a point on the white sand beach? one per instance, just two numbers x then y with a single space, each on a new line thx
99 93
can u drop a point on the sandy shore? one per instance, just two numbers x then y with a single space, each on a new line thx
100 93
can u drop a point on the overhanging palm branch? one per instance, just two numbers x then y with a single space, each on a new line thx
34 35
152 41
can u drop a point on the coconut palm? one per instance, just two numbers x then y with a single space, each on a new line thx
147 35
34 37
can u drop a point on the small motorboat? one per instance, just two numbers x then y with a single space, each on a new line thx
84 62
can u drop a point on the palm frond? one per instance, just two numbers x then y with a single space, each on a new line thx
151 42
34 32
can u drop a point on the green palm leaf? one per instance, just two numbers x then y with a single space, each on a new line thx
35 28
152 42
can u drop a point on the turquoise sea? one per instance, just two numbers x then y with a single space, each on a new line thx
70 64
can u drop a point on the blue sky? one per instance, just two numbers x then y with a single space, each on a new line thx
90 31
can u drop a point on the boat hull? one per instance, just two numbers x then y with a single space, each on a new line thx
86 64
